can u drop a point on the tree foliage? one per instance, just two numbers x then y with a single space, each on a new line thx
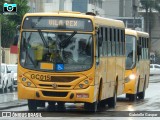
9 22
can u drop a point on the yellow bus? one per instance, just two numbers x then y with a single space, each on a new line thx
70 57
137 64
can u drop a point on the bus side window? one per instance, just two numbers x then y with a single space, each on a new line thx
121 42
113 43
110 42
106 41
117 42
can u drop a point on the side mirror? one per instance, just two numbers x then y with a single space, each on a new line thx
18 27
139 50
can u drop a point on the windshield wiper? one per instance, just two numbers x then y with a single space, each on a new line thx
66 42
25 44
42 37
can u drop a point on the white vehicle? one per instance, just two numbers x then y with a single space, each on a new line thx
6 79
13 67
154 69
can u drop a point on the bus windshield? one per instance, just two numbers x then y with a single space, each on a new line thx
130 51
74 51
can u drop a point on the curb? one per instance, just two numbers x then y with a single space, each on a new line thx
12 104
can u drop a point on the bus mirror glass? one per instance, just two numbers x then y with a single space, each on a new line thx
139 50
18 27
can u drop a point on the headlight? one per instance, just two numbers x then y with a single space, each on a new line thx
132 77
26 82
23 79
83 84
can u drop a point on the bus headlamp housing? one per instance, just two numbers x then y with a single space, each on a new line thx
26 82
83 84
130 77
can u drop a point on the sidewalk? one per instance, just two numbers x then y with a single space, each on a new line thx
12 104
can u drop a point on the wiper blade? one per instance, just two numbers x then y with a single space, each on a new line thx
65 42
26 49
42 37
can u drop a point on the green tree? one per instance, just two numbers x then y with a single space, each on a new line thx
9 22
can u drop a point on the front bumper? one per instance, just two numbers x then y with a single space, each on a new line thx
56 94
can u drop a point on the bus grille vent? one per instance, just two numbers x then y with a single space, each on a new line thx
54 94
62 79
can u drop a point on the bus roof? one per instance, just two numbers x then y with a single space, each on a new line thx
142 34
136 33
96 19
130 32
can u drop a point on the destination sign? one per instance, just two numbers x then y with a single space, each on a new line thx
58 23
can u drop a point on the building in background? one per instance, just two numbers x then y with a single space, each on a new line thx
134 17
67 5
125 10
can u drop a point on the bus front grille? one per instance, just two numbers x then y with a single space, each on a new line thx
62 79
54 94
50 86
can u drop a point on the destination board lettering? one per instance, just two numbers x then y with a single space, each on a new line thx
55 23
71 23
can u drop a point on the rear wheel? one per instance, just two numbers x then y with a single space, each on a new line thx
112 101
32 106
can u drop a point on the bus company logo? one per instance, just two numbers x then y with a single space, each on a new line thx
9 9
54 85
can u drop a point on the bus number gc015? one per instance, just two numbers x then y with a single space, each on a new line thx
41 77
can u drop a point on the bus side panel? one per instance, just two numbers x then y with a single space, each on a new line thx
142 75
144 66
111 73
120 71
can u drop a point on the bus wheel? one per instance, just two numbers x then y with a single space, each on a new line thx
91 107
141 95
51 103
132 97
32 106
112 101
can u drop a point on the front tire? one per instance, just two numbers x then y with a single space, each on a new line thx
32 106
91 107
141 95
132 97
